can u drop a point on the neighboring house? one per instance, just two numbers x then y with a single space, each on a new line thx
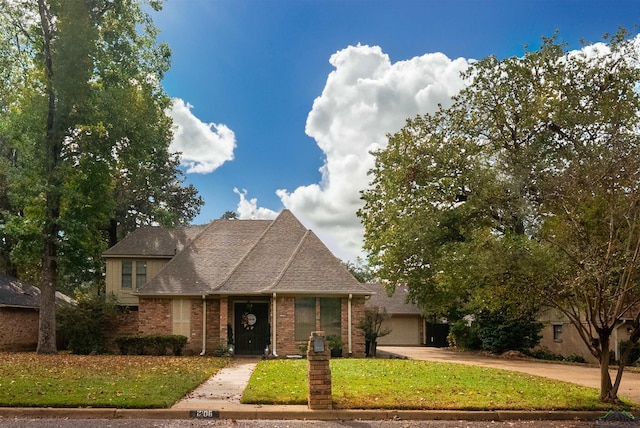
262 285
19 314
560 336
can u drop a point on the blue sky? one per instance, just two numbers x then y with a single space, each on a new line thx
282 100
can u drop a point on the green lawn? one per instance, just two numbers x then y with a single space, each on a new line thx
407 384
64 380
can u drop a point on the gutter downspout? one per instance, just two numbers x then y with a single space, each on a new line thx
204 325
349 324
274 319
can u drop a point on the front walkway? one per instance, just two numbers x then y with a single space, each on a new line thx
225 388
580 374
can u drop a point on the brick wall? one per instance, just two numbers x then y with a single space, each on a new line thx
285 334
19 330
285 324
155 316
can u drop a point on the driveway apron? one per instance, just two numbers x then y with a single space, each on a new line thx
579 374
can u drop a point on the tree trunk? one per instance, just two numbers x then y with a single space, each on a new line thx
607 394
48 280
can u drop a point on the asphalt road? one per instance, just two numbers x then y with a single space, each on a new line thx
175 423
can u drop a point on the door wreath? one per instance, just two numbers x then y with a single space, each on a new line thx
248 321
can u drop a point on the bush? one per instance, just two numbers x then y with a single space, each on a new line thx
500 332
496 332
151 344
635 352
464 336
82 327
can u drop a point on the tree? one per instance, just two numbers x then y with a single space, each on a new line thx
371 326
229 215
359 270
523 193
85 121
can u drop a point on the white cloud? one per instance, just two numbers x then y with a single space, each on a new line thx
204 147
364 98
248 208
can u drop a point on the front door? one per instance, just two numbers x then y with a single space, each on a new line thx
251 328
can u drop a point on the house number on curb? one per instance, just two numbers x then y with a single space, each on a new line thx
204 414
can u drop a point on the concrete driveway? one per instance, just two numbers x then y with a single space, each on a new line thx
576 373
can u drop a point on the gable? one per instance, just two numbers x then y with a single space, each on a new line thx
232 257
209 260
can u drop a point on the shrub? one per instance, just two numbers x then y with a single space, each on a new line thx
496 332
82 327
501 332
635 352
151 344
464 336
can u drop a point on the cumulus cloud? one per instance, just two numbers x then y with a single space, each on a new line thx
365 98
248 208
204 147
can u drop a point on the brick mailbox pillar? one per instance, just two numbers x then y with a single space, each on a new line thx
319 374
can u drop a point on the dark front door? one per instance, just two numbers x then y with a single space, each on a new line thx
251 328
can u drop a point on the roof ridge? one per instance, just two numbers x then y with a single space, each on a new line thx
244 257
293 256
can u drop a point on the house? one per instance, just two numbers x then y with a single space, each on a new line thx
19 314
261 285
561 337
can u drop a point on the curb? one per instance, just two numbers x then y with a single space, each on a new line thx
295 413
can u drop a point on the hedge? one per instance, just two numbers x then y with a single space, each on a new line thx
151 344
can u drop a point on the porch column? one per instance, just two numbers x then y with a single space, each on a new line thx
224 321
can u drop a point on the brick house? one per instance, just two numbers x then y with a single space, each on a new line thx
259 284
19 314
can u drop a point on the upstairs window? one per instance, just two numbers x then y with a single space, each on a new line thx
141 274
557 332
127 272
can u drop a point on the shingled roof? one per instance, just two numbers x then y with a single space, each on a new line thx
155 242
396 304
17 294
252 257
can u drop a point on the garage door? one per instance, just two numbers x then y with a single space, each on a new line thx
405 331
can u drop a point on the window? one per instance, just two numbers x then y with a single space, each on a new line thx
141 274
330 315
305 317
182 317
126 273
557 332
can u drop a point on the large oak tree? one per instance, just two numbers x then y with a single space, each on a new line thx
85 138
524 193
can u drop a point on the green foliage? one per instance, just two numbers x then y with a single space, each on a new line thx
371 324
84 326
360 270
634 356
334 341
464 335
500 332
522 194
84 137
496 332
151 344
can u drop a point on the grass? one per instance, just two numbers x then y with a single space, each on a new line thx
63 380
407 384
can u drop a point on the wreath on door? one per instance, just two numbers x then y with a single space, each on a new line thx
248 321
